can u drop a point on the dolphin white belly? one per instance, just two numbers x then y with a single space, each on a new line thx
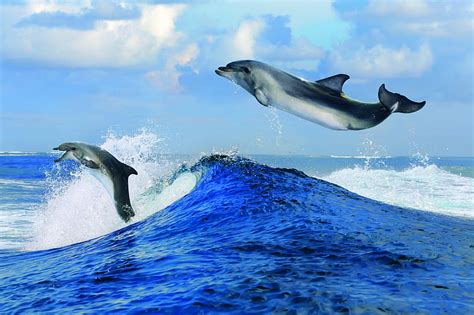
104 180
321 101
307 110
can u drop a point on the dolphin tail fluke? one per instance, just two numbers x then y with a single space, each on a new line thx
397 103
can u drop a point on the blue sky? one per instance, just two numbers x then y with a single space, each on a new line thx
77 70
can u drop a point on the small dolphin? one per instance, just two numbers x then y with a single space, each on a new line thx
322 102
98 159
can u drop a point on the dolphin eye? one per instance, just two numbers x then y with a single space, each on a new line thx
73 148
246 70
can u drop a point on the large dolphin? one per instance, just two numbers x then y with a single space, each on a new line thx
322 102
98 159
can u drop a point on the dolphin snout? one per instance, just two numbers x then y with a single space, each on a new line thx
65 147
228 68
62 147
222 70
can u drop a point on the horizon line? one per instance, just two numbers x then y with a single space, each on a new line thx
335 156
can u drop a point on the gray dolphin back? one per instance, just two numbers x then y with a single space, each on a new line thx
322 102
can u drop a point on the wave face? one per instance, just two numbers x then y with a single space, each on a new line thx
249 238
78 206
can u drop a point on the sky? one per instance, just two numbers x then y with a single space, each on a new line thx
79 70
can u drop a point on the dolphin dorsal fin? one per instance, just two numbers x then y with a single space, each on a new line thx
335 82
128 169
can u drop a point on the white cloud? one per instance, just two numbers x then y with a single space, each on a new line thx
250 30
317 21
244 40
110 44
153 38
41 6
425 18
455 28
247 42
168 78
299 55
407 8
383 62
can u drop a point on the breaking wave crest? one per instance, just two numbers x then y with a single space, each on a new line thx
78 207
423 187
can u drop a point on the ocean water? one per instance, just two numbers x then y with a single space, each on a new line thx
238 234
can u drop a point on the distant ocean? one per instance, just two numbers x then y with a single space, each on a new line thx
242 234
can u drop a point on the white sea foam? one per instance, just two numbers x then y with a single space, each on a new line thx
17 153
81 209
426 187
16 207
359 157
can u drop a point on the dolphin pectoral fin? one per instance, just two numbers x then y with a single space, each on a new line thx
335 82
261 97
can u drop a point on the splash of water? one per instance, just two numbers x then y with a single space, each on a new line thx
372 152
78 207
423 187
275 124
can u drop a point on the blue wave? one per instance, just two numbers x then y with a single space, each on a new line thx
250 239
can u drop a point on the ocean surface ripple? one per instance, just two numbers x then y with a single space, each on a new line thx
249 238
